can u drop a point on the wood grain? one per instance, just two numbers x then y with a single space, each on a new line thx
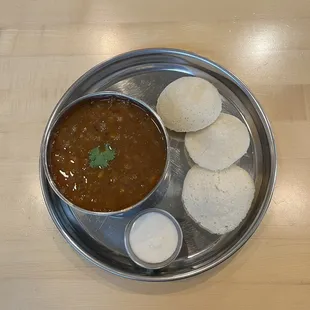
46 45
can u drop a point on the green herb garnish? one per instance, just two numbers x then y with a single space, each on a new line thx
98 159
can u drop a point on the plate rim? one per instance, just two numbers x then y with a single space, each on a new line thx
264 205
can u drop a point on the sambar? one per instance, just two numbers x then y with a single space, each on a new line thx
105 155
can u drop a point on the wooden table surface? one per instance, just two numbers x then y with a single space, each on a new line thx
46 45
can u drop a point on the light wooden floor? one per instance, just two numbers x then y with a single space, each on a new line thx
46 45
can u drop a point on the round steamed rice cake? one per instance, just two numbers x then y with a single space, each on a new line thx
189 104
218 200
219 145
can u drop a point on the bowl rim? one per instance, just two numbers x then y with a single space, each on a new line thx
101 95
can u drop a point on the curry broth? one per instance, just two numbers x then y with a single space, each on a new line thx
128 130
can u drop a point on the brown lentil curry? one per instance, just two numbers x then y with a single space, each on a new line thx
106 155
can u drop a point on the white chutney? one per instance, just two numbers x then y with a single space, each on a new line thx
153 237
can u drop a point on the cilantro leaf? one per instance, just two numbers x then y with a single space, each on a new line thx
98 159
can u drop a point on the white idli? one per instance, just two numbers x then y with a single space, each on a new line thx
219 145
218 200
189 104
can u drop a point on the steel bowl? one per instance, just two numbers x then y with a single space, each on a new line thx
142 263
151 198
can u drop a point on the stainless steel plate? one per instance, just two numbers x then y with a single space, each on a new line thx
143 74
